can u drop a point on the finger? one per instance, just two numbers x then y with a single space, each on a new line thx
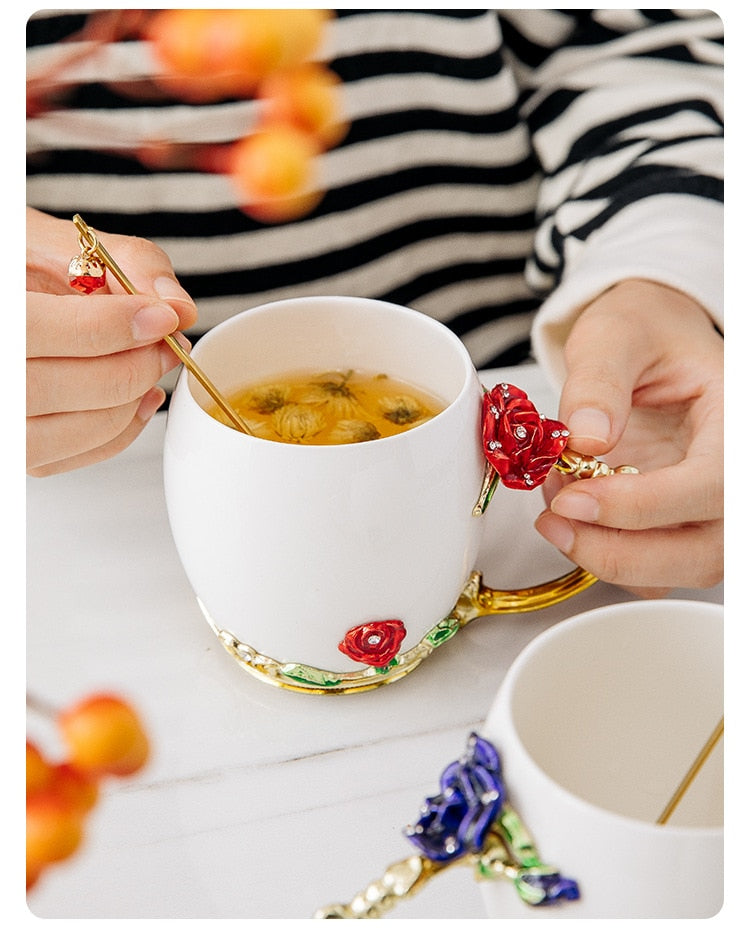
150 272
69 384
648 592
61 442
690 491
51 243
97 326
604 361
552 485
690 556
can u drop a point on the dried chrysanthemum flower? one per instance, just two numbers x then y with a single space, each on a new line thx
295 423
401 409
269 398
353 431
331 389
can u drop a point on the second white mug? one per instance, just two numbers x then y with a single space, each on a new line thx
597 722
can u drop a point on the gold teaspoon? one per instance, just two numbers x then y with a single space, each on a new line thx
692 773
93 246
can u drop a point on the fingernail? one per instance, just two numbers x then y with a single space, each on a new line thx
590 424
180 338
169 290
576 505
154 321
556 530
150 403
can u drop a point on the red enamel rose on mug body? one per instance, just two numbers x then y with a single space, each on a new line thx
375 643
519 443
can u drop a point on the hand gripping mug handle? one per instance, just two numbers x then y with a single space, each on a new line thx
521 447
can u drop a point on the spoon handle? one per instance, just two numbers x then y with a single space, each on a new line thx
195 370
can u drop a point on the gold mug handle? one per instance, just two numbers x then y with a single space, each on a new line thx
478 599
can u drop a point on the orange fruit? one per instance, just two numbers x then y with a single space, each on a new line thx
280 209
245 41
104 735
74 786
277 161
178 39
209 54
309 97
54 830
302 33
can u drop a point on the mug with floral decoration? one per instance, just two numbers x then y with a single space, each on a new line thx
336 568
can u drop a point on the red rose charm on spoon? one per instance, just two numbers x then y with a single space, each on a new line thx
86 273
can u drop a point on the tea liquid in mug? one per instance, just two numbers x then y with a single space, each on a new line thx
348 406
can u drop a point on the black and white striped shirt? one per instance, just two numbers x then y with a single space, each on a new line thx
498 162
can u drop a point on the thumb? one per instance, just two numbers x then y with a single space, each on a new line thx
605 356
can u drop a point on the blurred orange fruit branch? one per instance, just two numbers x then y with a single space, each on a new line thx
103 737
206 56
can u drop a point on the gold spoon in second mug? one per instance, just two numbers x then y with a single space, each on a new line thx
91 246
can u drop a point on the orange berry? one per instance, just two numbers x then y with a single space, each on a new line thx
54 830
302 33
209 54
245 41
38 769
104 736
309 97
75 787
181 41
178 40
275 162
280 209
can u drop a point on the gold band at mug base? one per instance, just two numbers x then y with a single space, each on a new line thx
475 601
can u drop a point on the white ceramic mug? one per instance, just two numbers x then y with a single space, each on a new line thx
289 547
596 723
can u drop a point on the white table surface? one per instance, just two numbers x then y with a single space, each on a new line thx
258 802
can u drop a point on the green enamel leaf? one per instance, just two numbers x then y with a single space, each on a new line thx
533 896
518 838
487 493
443 631
311 675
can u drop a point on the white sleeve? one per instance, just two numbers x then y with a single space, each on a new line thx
676 240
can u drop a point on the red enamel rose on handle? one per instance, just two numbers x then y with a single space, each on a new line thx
518 442
375 643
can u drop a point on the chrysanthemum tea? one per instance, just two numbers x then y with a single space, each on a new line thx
347 406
